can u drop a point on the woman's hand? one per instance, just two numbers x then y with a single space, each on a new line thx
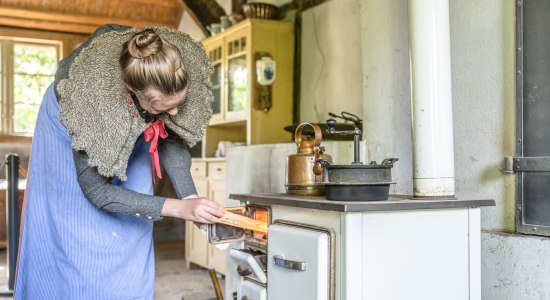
199 209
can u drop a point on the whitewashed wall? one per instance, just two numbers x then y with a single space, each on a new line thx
386 92
188 25
482 51
331 61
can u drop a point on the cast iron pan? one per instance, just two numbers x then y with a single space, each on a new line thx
357 191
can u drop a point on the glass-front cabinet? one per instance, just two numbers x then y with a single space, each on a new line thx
231 78
236 117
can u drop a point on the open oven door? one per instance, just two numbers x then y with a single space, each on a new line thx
221 234
300 262
252 269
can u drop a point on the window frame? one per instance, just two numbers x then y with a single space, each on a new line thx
7 97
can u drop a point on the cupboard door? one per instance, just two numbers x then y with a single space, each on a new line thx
202 187
216 257
216 170
238 74
197 245
237 83
198 169
214 50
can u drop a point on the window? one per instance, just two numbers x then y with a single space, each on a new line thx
27 68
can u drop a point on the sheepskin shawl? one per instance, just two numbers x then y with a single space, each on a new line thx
94 104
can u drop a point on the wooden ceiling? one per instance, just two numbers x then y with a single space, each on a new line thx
84 16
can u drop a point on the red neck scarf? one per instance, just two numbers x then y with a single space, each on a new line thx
151 135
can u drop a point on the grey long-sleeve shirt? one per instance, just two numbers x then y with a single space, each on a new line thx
176 160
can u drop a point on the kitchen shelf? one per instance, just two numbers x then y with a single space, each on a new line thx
229 123
236 113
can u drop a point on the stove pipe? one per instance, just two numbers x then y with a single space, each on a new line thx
431 99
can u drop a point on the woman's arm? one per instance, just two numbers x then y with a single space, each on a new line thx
199 210
99 190
176 160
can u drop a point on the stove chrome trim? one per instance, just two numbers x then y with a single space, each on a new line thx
246 278
332 247
279 261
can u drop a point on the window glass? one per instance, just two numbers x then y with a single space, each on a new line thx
34 70
238 79
215 79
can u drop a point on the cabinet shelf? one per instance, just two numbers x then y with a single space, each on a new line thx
229 123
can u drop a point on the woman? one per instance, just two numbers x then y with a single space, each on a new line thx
98 142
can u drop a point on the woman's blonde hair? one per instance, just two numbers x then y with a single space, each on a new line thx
149 61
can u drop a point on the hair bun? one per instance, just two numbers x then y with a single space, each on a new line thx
144 44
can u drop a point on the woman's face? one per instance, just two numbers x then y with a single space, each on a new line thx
156 103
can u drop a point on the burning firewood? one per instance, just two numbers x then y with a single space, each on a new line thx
240 221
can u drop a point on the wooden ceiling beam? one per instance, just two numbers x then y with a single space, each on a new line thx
165 3
47 25
205 12
65 22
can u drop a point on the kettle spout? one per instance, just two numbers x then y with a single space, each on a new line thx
319 166
324 162
389 161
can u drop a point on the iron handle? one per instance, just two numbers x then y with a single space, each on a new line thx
389 161
526 164
288 264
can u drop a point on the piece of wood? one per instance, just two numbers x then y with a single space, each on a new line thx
75 23
216 284
243 222
205 12
47 25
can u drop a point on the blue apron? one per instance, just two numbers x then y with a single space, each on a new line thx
70 249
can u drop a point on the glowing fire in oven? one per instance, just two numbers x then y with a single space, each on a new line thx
262 216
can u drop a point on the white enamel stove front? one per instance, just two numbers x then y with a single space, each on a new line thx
297 262
300 262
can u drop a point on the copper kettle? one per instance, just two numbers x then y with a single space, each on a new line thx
304 173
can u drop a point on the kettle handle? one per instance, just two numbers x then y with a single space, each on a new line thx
316 129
